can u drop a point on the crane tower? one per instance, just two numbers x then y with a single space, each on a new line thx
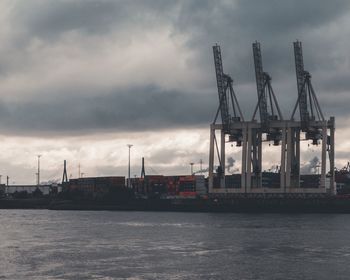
232 121
271 127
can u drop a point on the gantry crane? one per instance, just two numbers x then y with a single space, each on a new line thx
249 135
312 123
267 102
270 116
228 103
231 117
307 102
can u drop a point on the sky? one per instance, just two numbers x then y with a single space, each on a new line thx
79 80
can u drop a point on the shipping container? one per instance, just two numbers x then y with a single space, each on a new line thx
95 184
187 184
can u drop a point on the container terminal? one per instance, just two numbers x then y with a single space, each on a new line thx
253 189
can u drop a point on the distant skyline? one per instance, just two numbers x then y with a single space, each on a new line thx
79 80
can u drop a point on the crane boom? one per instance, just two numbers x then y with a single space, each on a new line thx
300 74
260 83
307 102
220 79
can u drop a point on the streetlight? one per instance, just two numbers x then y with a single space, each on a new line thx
39 169
191 163
129 146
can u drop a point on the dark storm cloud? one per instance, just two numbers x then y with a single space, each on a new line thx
50 19
232 24
133 109
276 24
336 82
235 25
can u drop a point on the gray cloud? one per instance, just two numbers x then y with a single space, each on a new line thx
343 155
56 79
50 19
235 25
133 109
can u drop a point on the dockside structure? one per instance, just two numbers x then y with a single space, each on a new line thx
271 127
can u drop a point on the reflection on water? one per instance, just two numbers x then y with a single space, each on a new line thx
158 245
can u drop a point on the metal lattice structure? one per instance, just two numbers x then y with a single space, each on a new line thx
310 110
220 80
300 74
267 101
249 135
64 177
228 103
260 77
231 118
143 172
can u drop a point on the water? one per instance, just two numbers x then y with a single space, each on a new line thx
42 244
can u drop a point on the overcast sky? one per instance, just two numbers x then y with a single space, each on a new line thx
81 79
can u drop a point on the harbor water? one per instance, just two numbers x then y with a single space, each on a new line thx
43 244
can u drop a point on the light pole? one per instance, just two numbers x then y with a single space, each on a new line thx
191 163
39 169
129 146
